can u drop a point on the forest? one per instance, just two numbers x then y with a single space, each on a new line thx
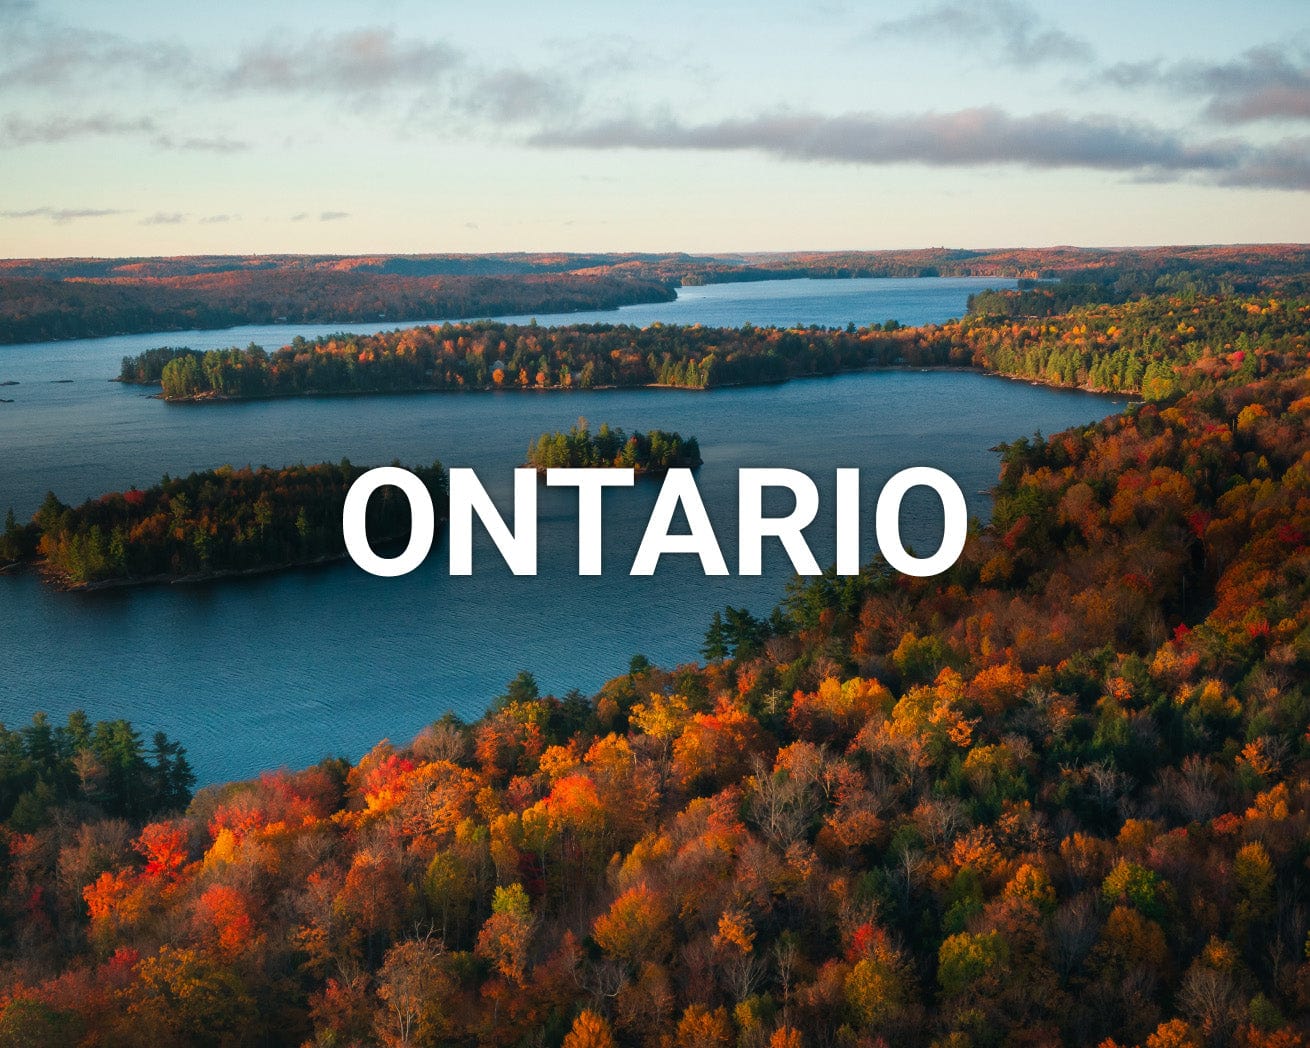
219 522
1131 347
44 299
1058 795
654 452
99 773
40 309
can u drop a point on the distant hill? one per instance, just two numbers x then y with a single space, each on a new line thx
44 299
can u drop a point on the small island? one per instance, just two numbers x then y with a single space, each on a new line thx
653 452
214 524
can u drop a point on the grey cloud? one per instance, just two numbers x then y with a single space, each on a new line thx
164 218
1264 83
19 131
366 66
333 216
213 220
188 143
1125 74
62 215
970 137
45 54
516 95
1284 165
42 54
1023 37
365 62
361 60
965 137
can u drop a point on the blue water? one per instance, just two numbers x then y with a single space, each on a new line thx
287 668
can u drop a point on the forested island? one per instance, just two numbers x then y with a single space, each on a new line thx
655 451
1130 348
1058 795
43 299
208 525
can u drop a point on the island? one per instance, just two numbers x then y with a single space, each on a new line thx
1124 348
213 524
653 452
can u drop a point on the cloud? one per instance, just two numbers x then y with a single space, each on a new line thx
965 138
368 62
213 220
19 131
164 218
63 215
333 216
358 61
426 83
1124 74
1283 165
201 144
1264 83
515 95
39 53
1023 37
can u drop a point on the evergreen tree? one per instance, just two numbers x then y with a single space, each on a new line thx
716 641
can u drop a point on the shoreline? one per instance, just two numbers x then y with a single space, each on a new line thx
181 580
638 471
677 284
40 569
218 398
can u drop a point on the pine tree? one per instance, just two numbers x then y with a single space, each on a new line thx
716 641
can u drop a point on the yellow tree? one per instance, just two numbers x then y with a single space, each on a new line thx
589 1031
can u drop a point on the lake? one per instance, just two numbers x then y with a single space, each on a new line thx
285 669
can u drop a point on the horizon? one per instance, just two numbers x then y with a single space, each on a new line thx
715 253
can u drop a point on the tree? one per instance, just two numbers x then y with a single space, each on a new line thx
589 1030
507 933
171 773
700 1027
880 988
716 640
181 998
415 987
636 927
27 1023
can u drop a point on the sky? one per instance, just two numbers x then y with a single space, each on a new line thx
165 128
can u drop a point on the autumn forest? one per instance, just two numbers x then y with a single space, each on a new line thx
1059 794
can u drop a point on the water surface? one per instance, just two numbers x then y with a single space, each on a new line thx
287 668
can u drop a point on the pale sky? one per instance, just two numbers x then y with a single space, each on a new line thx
153 128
